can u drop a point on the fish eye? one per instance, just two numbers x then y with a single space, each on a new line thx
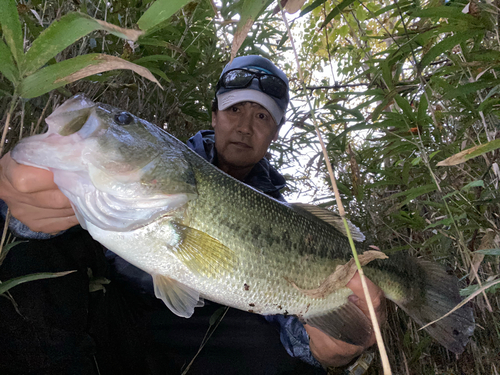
123 118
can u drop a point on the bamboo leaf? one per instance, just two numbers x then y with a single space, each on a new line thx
415 192
11 28
311 7
217 315
158 13
336 11
354 112
442 12
470 153
387 73
446 45
495 252
155 58
474 287
405 107
469 88
6 248
7 65
159 73
5 286
72 70
249 12
465 301
63 33
447 221
416 161
434 154
422 110
477 183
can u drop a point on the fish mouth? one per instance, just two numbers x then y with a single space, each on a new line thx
69 124
71 116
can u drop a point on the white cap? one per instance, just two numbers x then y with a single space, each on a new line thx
232 97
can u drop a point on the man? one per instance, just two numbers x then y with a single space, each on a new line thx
250 105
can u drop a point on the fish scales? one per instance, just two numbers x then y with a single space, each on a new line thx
268 251
202 234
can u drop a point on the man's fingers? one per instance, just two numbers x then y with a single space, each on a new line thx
50 199
359 298
376 295
330 351
27 179
31 213
52 225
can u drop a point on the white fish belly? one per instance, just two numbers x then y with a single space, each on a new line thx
257 285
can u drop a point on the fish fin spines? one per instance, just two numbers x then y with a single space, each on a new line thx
330 218
441 296
427 294
179 298
203 254
347 323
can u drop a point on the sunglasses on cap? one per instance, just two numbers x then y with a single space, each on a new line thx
242 78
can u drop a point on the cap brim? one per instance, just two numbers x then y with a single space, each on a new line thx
232 97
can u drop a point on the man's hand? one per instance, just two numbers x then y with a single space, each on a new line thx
332 352
33 197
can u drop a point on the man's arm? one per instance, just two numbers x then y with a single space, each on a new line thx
34 198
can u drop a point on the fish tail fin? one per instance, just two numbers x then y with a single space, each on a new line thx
426 293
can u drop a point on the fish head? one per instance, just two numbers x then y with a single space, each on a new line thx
119 171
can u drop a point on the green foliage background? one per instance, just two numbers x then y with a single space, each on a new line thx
397 86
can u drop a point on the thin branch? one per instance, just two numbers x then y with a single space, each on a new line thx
336 86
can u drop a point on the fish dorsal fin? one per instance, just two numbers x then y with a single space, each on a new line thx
179 298
330 218
203 254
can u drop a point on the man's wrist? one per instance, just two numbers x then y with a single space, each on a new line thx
358 365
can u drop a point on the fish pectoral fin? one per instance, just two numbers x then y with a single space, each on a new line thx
203 254
346 323
330 218
179 298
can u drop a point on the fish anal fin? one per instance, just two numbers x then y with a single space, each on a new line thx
330 218
346 323
203 254
179 298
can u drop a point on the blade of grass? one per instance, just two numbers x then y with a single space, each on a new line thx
465 301
378 335
6 286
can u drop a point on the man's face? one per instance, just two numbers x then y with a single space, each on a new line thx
243 133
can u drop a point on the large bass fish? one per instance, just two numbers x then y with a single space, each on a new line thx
202 234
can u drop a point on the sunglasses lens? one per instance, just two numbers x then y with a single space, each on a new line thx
239 79
274 86
236 79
